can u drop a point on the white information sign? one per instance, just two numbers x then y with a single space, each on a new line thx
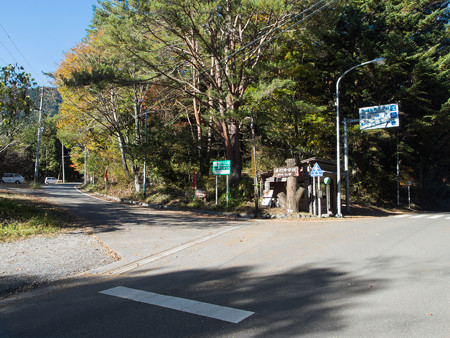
385 116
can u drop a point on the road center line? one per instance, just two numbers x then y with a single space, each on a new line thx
402 215
223 313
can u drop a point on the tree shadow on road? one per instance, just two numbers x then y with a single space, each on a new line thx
306 300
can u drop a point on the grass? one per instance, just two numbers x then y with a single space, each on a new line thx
23 216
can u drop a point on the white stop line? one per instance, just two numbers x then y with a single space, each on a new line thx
223 313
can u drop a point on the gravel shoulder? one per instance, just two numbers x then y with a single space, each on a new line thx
42 260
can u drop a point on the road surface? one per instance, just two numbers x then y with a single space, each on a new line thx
211 277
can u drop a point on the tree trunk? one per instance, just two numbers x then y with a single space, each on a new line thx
234 154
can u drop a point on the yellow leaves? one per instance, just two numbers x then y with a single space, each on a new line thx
76 58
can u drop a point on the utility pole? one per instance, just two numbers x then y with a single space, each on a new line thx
63 171
85 165
36 165
145 157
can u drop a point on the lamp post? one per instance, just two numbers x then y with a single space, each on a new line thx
338 150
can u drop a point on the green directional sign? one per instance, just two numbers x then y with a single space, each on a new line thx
221 167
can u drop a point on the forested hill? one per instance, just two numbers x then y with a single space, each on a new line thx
51 102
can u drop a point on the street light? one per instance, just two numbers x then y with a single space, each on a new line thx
338 151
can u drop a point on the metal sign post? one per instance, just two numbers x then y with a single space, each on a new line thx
409 184
314 195
228 194
327 181
383 116
409 197
221 168
319 199
316 172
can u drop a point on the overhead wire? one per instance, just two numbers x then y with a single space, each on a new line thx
20 53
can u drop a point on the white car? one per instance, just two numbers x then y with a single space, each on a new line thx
51 180
12 178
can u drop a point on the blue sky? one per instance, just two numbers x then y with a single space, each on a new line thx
43 31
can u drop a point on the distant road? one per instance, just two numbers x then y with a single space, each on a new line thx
372 277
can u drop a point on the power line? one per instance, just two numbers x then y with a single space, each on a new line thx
20 53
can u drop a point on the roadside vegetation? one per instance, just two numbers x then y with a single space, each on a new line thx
183 196
23 216
172 86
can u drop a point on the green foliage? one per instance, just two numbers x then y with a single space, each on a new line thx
15 104
14 100
184 63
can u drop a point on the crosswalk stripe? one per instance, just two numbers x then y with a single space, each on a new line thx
420 216
185 305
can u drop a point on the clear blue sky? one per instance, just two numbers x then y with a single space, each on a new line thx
43 31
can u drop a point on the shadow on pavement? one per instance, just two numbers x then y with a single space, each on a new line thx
305 300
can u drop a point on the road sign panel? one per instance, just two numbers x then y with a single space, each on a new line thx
221 167
286 172
316 171
384 116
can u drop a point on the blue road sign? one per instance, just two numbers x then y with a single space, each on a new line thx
316 171
385 116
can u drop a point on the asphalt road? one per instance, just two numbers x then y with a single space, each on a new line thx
210 277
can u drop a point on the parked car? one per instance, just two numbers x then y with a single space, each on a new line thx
12 178
51 180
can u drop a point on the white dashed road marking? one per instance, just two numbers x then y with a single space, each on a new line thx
430 216
436 216
223 313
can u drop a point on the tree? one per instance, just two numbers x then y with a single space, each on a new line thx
204 48
413 36
15 103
